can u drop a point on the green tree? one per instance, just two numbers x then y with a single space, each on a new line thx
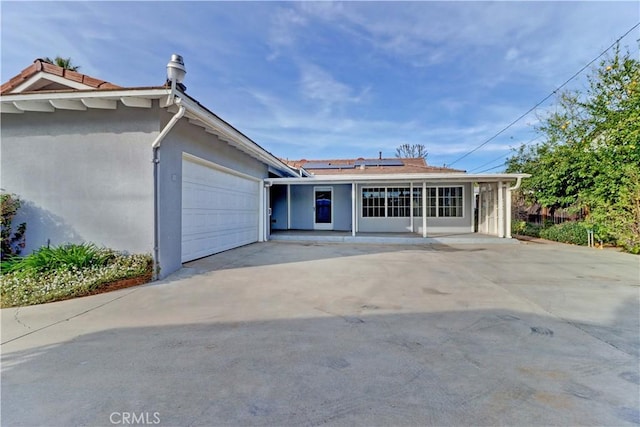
590 158
65 63
411 151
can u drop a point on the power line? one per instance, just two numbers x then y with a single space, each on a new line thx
495 167
501 156
546 97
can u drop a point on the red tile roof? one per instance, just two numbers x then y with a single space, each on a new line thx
40 65
411 165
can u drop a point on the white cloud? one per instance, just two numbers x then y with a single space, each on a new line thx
318 85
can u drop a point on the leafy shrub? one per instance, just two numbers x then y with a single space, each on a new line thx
567 232
12 242
523 228
52 274
61 257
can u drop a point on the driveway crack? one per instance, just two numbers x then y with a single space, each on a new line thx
15 317
62 320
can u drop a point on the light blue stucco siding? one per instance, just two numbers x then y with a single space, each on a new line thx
279 211
302 206
342 207
190 139
83 176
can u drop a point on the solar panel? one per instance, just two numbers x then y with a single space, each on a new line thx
326 165
380 162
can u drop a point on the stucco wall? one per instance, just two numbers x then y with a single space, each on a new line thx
279 211
82 176
185 137
302 207
342 207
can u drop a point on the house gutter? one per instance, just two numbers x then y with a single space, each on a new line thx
155 146
518 182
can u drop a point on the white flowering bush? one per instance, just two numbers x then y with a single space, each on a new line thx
26 285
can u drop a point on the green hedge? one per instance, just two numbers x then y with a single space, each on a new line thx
525 229
567 232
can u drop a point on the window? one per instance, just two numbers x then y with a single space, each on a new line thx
417 201
431 201
386 202
398 202
394 202
450 201
441 202
373 202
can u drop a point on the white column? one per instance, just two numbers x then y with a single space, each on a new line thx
508 213
261 212
267 207
288 206
354 209
500 210
480 208
424 209
411 204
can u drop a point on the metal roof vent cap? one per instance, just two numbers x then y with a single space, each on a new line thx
176 70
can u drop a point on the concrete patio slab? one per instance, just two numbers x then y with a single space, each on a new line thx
387 238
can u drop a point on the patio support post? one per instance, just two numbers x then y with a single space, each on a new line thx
508 213
354 213
480 208
288 206
424 209
500 210
411 204
494 207
262 212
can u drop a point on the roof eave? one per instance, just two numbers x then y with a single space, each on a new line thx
448 177
152 92
231 135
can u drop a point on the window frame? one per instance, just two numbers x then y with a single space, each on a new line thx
386 206
433 194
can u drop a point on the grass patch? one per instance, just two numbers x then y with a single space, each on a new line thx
53 274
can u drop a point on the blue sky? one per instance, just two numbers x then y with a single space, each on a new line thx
337 80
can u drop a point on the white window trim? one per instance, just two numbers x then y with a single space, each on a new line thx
437 187
386 199
362 190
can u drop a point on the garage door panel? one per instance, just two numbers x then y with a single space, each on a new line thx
220 210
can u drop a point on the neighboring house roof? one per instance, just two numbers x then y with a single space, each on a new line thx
44 76
363 166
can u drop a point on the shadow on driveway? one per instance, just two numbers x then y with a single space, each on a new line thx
358 367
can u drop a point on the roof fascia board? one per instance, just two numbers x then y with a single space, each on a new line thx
95 93
346 179
228 132
41 75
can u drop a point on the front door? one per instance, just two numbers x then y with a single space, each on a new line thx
323 208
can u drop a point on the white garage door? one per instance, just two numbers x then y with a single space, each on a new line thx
220 210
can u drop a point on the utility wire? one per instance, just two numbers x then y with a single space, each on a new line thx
505 154
495 167
545 98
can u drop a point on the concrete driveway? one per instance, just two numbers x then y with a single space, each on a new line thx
312 334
